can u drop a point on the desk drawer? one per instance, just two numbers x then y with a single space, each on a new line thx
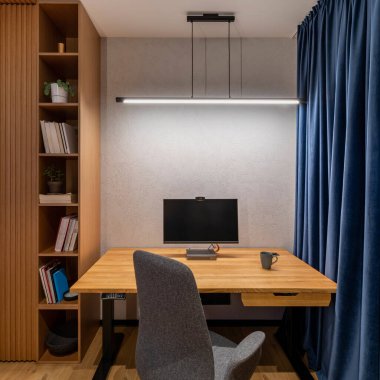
286 299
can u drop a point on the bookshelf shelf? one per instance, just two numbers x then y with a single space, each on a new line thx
68 23
50 252
63 305
59 111
58 204
53 106
47 357
58 254
59 155
55 54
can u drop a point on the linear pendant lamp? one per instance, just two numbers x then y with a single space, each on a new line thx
208 101
209 17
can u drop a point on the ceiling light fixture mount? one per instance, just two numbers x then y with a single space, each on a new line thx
209 17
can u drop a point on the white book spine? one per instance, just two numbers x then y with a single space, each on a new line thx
71 138
65 147
54 135
45 273
49 137
59 137
63 226
69 235
74 238
44 137
43 281
50 282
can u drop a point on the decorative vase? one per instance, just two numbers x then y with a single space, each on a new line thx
55 186
58 94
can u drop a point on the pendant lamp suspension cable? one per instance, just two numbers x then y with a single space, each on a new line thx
212 17
229 59
192 59
241 68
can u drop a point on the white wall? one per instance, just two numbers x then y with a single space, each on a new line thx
155 152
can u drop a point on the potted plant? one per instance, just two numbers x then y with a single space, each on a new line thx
55 177
59 91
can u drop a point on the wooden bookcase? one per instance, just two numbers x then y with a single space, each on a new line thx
80 64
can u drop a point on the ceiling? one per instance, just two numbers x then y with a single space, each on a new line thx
167 18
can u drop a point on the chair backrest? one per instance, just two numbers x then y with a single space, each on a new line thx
173 340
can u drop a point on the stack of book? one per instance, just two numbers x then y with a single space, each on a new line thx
54 281
67 237
59 137
58 198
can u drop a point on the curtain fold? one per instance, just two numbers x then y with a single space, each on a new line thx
337 228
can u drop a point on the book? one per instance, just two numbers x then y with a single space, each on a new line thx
58 198
70 134
62 232
45 278
59 137
54 137
69 235
65 149
74 238
49 274
49 136
60 283
54 281
44 136
43 281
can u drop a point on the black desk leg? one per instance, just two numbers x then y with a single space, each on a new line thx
111 341
289 338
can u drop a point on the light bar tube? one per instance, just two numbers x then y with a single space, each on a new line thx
225 101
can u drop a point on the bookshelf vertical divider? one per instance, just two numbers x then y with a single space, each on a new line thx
69 23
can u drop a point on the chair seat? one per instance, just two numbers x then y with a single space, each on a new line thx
236 361
220 341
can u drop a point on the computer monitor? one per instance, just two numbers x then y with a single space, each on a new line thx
201 220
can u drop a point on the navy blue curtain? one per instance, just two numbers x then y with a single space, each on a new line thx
337 227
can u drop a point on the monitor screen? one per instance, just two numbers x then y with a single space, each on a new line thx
201 221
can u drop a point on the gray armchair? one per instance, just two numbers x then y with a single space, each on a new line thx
173 340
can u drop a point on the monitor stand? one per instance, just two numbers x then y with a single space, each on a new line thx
200 254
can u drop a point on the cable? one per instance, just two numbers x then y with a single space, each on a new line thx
205 66
215 247
192 59
241 67
229 59
241 57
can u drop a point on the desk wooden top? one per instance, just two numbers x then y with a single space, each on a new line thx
236 270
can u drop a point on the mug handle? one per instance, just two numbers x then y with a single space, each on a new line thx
274 257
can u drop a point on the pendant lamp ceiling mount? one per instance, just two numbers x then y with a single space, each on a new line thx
210 17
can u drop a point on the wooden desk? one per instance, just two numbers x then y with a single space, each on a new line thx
290 282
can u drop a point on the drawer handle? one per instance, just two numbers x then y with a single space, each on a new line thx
285 294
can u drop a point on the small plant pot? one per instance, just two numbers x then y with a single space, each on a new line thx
55 186
58 94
